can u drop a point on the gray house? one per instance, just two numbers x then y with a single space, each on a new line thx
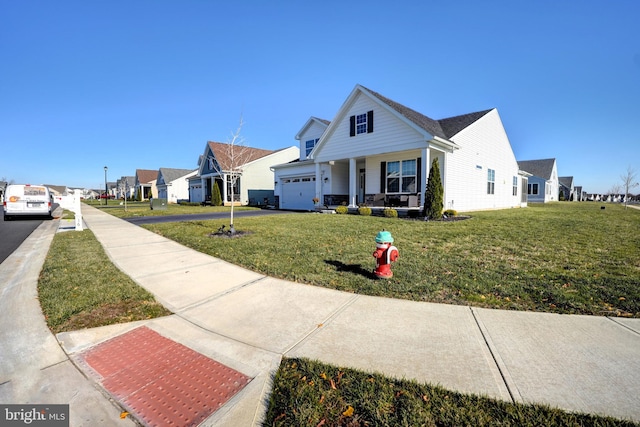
543 185
566 188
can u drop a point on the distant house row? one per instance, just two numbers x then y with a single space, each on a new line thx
376 152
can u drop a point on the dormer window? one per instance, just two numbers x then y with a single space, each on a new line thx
308 146
361 123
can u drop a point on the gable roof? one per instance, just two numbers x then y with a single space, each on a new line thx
540 168
444 128
309 122
145 176
221 152
170 174
567 181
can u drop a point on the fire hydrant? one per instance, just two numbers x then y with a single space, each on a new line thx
384 254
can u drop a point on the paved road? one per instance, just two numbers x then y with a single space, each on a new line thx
197 217
14 232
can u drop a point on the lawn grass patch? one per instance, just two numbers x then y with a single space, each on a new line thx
309 393
137 209
560 257
80 288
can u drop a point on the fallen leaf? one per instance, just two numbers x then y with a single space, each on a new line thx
321 423
348 412
333 384
123 415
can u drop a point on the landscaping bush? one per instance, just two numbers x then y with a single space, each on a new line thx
390 213
342 210
364 210
216 197
450 212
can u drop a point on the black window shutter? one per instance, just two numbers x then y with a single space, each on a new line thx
419 174
352 126
369 121
383 176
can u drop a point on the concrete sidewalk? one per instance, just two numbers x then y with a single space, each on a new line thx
248 321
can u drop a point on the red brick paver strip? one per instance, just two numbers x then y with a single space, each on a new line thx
160 381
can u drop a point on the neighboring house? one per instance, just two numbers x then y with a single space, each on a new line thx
580 195
378 152
58 190
543 182
145 184
256 180
567 189
126 187
173 184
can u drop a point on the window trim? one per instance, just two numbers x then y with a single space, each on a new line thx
313 144
365 125
401 176
491 181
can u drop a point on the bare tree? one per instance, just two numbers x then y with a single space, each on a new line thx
629 181
229 161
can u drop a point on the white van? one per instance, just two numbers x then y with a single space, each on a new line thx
26 200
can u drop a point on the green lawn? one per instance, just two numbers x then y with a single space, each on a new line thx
307 393
135 209
80 288
558 257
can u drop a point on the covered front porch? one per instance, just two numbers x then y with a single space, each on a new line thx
390 180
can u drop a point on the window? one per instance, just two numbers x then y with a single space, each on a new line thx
532 189
515 186
361 123
308 146
401 176
491 181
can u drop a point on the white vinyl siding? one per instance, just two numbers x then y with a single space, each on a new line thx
390 135
483 145
312 133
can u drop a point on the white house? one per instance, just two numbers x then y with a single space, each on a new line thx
173 184
379 152
247 168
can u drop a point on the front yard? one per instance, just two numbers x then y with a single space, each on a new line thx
561 257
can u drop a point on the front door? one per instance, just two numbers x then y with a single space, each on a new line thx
361 186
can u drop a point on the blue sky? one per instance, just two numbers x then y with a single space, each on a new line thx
145 83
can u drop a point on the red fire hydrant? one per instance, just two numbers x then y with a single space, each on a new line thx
384 254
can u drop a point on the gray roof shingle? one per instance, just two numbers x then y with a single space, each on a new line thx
540 168
443 128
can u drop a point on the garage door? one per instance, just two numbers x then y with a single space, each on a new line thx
298 193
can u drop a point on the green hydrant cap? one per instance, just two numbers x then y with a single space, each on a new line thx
384 237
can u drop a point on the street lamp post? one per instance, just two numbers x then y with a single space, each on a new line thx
106 189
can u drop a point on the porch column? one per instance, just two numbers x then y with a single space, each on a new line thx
224 189
424 173
443 178
353 184
319 194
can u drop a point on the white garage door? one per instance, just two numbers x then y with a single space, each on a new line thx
298 193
